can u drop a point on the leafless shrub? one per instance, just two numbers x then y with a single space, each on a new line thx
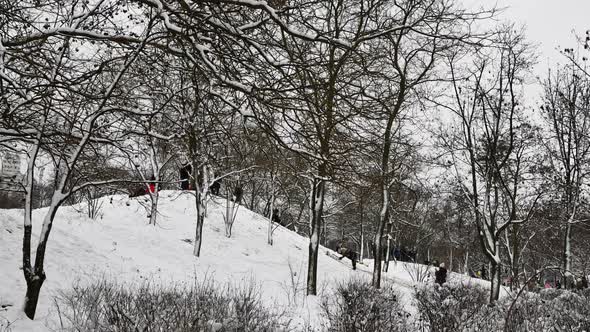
357 306
5 325
551 310
294 287
455 307
200 306
417 272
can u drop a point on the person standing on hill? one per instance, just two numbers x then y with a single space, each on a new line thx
214 188
348 253
185 174
441 274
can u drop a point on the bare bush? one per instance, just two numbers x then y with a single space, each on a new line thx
294 287
550 310
200 306
5 325
456 307
417 272
357 306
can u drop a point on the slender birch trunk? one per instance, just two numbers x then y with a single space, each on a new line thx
376 280
316 206
387 253
567 256
272 201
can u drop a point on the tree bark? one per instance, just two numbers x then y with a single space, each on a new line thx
200 222
200 191
376 279
272 201
495 281
567 256
316 205
466 265
154 206
387 258
34 284
514 283
451 259
36 276
362 251
229 210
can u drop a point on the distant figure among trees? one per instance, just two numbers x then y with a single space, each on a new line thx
185 173
348 253
214 188
185 184
137 191
441 274
238 194
275 216
141 190
584 282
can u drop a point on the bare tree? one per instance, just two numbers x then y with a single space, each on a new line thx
408 59
566 111
488 144
63 106
311 98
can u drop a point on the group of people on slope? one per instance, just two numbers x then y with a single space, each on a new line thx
440 275
185 173
578 283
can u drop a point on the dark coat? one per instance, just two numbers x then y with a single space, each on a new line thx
350 254
440 275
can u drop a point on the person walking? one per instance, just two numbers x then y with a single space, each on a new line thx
348 253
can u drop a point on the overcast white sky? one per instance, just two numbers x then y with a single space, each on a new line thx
549 23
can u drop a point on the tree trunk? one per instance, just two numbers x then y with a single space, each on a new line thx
450 259
514 283
36 276
567 256
362 251
200 222
495 281
300 214
466 265
316 205
388 250
229 212
362 244
199 234
253 197
34 284
269 237
272 201
378 250
154 207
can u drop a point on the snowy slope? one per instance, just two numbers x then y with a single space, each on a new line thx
122 246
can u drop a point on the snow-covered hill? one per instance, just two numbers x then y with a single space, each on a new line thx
122 246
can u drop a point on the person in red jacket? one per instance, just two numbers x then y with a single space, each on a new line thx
152 185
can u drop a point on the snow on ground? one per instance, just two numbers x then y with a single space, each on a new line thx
122 246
